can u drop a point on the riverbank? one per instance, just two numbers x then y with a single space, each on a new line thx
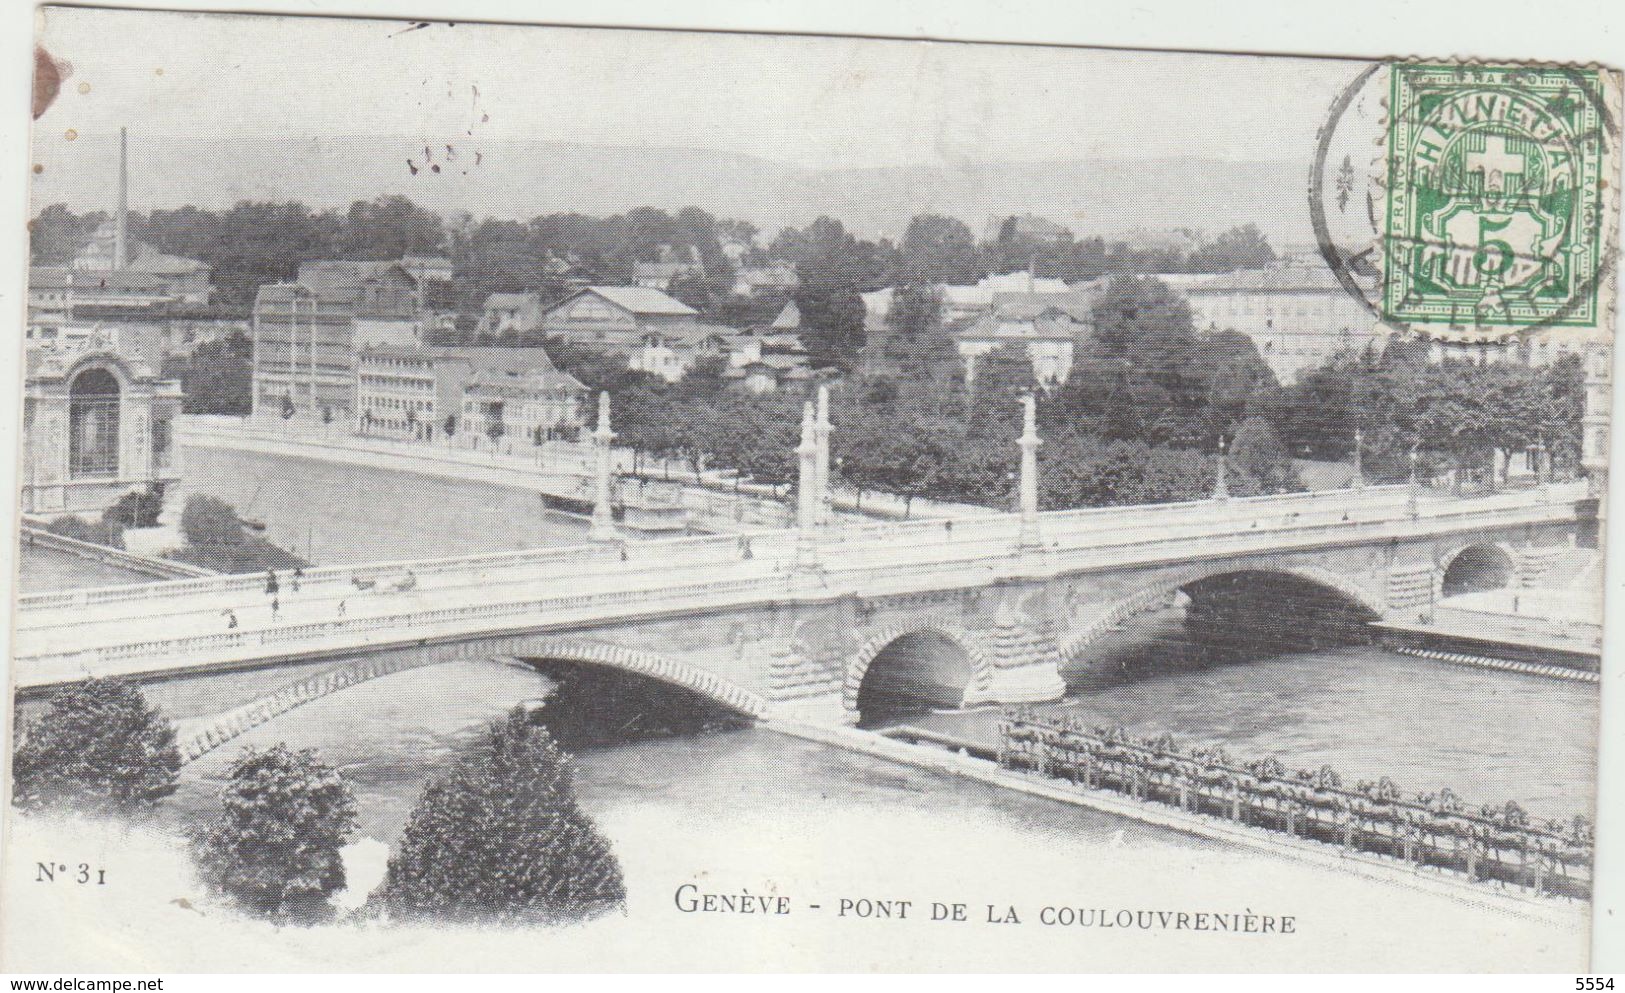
1499 899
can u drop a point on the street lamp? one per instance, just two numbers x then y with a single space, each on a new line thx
1358 482
1410 499
1221 488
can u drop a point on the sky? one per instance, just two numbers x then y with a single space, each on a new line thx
814 102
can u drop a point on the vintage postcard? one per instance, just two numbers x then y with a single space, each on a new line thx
522 498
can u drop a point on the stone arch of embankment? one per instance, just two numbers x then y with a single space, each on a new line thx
1154 593
1508 556
222 728
858 666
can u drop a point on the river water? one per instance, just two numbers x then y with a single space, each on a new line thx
753 809
1490 736
44 570
333 514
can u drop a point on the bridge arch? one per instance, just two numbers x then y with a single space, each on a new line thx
962 640
1154 593
200 738
1475 568
657 667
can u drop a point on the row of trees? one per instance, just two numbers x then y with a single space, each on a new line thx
1139 419
254 242
1454 414
499 838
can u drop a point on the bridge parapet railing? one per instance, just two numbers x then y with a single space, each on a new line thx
1370 501
942 571
670 552
76 664
983 535
1148 543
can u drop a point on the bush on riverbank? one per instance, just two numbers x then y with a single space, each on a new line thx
217 539
99 749
108 533
501 839
275 848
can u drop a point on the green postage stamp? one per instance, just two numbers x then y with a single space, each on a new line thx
1497 181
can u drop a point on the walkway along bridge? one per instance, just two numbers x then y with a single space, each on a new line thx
781 624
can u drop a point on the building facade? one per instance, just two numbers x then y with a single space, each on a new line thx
439 394
96 425
1299 315
1045 315
304 353
516 313
1051 328
307 333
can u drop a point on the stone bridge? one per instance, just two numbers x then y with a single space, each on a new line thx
787 624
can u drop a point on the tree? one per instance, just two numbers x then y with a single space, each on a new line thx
137 509
1243 247
389 227
834 268
501 838
217 539
938 249
57 234
916 346
1257 450
1141 377
98 749
219 376
1003 377
209 522
275 847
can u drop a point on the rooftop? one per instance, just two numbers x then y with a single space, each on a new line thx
639 300
1297 274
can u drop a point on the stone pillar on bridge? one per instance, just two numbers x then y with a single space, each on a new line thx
807 495
1030 539
821 429
603 516
1024 663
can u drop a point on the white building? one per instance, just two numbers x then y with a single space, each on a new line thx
438 394
1299 315
1052 329
1043 314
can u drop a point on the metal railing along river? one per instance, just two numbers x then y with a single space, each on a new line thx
1438 830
